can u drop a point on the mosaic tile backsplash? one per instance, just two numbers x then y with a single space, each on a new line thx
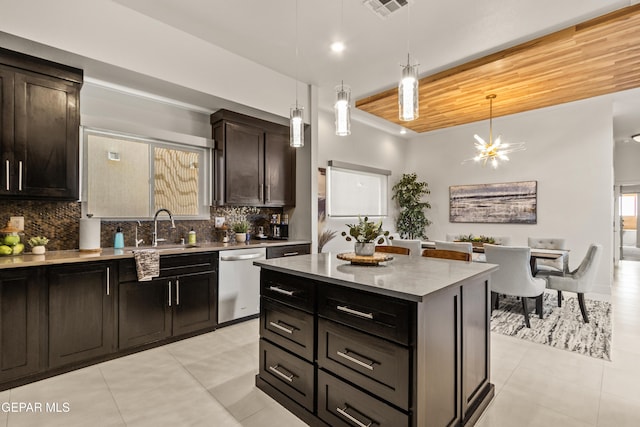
59 221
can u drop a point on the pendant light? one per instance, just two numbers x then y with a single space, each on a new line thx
342 107
493 151
296 124
408 106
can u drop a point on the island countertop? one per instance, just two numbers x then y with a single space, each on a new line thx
404 277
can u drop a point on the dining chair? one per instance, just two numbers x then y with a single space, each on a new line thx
514 277
393 249
465 247
561 264
447 254
414 245
579 280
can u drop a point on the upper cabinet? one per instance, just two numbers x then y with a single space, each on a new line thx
253 162
39 127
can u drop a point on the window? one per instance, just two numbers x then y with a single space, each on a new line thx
628 205
354 190
126 176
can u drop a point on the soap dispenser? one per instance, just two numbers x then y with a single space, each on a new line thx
118 241
192 237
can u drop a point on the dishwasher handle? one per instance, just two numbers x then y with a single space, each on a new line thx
241 257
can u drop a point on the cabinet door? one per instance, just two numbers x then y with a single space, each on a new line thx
6 127
195 302
46 137
280 170
81 313
244 164
20 323
144 315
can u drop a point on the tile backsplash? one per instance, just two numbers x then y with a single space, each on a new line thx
59 221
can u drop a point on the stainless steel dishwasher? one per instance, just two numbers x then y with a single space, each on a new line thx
239 283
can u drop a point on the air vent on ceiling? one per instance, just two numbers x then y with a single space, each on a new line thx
384 8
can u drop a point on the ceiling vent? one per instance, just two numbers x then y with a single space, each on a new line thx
384 8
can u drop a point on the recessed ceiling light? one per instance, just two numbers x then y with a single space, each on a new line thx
403 131
337 46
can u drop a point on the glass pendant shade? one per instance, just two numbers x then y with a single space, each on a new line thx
408 93
343 110
296 128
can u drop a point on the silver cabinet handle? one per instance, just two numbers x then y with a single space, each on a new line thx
355 312
169 284
108 285
368 364
20 175
243 257
345 414
281 291
290 253
8 167
283 327
287 377
268 193
177 291
262 192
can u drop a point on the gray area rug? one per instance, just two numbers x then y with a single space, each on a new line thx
560 327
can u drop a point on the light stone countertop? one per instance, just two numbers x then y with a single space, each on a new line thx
73 256
405 277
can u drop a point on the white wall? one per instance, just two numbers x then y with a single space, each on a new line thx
569 152
365 146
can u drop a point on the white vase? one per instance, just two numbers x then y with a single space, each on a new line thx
241 237
364 249
38 250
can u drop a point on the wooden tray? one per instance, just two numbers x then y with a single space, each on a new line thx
374 259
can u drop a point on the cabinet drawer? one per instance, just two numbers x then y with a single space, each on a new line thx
379 315
376 365
291 250
288 373
291 290
342 405
172 265
287 327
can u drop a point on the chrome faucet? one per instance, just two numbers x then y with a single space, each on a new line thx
155 239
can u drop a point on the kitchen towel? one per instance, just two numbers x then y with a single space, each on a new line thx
147 264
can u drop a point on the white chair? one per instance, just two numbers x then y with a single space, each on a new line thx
465 247
514 277
579 280
559 265
414 245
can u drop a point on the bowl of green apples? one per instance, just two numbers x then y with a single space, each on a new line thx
10 244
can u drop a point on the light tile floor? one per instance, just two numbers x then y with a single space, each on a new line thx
209 381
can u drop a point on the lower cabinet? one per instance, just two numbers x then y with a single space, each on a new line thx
21 322
81 312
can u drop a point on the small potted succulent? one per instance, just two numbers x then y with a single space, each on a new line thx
366 234
38 244
241 228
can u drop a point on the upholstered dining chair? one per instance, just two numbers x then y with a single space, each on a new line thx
447 254
414 245
561 264
465 247
514 277
393 249
579 280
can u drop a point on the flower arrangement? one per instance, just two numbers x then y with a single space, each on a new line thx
366 231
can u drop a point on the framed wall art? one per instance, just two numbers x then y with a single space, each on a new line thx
508 202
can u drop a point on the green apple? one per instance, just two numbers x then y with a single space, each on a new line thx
11 239
18 249
5 250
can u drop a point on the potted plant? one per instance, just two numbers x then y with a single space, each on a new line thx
241 228
367 234
38 244
477 241
411 221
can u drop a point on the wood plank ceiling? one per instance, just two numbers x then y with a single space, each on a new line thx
593 58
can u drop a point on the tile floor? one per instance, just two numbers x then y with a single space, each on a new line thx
209 381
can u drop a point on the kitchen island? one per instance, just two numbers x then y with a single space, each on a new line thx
404 343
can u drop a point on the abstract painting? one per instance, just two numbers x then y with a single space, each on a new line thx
509 202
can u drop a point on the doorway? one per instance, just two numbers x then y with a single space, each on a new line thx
629 239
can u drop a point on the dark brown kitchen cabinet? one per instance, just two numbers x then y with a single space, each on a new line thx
21 322
40 128
81 312
253 162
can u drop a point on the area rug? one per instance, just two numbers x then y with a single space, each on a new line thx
560 327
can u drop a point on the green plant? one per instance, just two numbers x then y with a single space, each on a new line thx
365 231
408 192
475 239
240 227
38 241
